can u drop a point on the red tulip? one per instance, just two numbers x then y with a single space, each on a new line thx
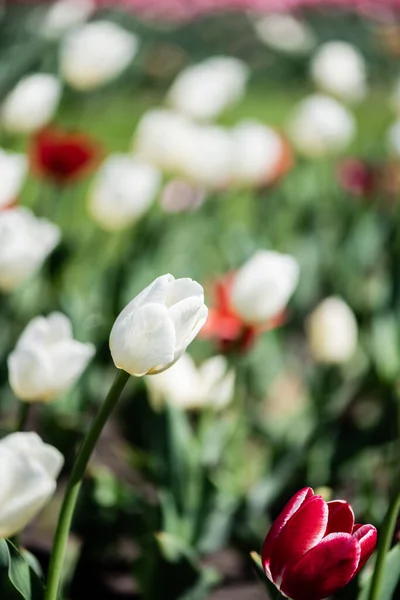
314 548
63 156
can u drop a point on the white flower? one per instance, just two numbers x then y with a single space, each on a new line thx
205 90
186 386
13 169
285 33
31 104
123 190
29 469
25 242
257 153
393 138
47 360
157 326
321 125
94 54
332 332
339 69
263 286
64 14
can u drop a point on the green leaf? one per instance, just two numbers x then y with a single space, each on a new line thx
18 580
391 577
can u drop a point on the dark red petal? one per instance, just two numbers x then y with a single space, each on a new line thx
325 569
301 533
341 517
366 535
291 507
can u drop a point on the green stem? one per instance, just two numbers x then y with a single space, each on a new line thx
74 484
22 417
384 544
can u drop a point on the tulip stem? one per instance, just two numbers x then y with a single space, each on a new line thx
22 417
384 544
74 484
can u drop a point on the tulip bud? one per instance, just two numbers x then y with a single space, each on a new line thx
285 33
339 69
47 360
13 169
31 104
25 242
29 469
332 332
64 14
157 326
123 190
263 286
313 548
96 53
205 90
189 387
320 126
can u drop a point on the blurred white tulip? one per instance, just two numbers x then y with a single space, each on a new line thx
31 104
393 138
257 153
25 242
47 360
157 326
94 54
332 332
13 170
123 190
29 469
179 195
262 288
189 387
64 14
285 33
205 90
320 126
338 68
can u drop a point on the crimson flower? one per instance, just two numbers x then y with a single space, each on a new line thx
63 156
314 548
227 327
358 177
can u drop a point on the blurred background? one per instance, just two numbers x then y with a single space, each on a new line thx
183 137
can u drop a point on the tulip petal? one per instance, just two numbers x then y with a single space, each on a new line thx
341 517
32 447
325 569
179 289
143 340
188 316
30 373
290 509
70 359
156 293
367 537
302 532
59 327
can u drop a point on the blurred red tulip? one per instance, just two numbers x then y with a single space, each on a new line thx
358 177
63 156
313 548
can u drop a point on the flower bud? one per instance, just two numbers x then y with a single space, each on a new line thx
123 190
332 332
190 387
157 326
285 33
13 169
64 14
29 469
263 286
47 360
94 54
31 104
25 242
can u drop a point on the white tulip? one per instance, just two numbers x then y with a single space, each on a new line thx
94 54
13 170
339 69
393 138
189 387
47 360
321 125
123 190
205 90
285 33
332 332
25 242
262 288
257 153
64 14
29 469
157 326
31 104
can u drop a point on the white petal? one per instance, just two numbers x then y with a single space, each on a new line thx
30 373
70 359
188 316
180 385
30 445
179 289
156 292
